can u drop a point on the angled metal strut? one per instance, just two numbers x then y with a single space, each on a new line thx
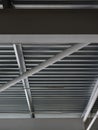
45 64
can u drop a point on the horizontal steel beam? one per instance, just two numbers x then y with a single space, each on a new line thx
41 124
14 115
45 64
55 6
39 115
58 115
48 39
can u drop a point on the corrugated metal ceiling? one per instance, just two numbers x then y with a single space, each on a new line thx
64 87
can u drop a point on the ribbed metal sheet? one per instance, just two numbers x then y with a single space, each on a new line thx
64 87
13 99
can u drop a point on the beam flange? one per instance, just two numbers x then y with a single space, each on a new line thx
22 68
40 115
15 115
91 102
45 64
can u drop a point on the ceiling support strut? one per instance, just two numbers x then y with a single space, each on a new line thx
91 102
92 121
22 67
45 64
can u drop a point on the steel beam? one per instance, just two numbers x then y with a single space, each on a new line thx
48 39
92 121
40 115
91 102
55 6
22 68
15 115
45 64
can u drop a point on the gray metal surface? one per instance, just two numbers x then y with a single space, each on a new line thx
43 65
41 124
22 68
50 4
62 88
13 99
